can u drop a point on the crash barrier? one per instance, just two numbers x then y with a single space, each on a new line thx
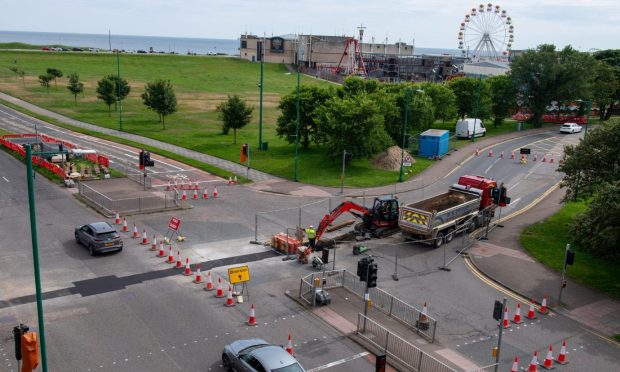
405 353
36 160
381 300
127 205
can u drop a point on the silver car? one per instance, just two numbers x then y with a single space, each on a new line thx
256 355
98 237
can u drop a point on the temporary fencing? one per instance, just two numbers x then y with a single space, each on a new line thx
127 205
36 160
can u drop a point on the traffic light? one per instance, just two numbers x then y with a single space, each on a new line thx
244 153
380 363
497 310
495 195
372 275
503 200
18 331
362 268
147 159
570 257
141 159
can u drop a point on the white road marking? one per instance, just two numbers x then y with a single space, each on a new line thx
5 179
513 186
341 361
489 168
513 202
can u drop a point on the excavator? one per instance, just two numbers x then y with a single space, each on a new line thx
379 221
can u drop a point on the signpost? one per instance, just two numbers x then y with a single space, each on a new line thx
174 228
236 275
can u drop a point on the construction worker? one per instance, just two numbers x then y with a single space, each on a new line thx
311 236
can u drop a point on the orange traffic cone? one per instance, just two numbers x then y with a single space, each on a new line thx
506 322
219 292
531 314
543 306
154 243
205 194
196 187
170 255
548 362
182 184
252 320
534 363
188 268
491 153
477 152
551 160
209 285
515 365
215 192
145 240
125 227
501 155
161 249
544 159
189 185
535 156
512 155
562 356
195 195
184 196
179 262
117 220
135 234
517 317
289 345
198 276
229 180
229 299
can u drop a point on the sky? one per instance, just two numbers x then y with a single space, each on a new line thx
584 24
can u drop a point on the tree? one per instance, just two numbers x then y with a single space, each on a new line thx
234 113
472 97
106 93
75 85
610 57
55 73
592 173
503 97
444 100
419 117
159 96
14 70
121 92
605 88
310 99
44 80
353 123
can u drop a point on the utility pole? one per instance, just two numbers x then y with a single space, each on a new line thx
118 86
297 126
35 255
260 98
499 339
402 150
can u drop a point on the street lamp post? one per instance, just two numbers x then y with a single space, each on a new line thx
260 99
118 89
297 127
402 150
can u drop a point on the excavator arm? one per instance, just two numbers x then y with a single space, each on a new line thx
346 206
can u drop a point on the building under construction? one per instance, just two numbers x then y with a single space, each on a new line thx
335 57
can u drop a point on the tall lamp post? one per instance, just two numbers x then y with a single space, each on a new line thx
297 125
473 137
118 92
408 93
260 99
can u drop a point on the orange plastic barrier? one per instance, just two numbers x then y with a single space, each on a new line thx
279 242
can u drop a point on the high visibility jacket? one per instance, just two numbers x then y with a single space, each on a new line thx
311 233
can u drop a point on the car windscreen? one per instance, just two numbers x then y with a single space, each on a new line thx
107 235
295 367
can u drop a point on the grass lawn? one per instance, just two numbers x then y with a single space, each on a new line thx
546 241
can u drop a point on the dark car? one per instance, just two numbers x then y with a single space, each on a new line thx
77 49
98 237
256 355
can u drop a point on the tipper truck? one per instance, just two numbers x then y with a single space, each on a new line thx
468 204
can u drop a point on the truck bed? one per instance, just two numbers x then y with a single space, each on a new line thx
443 201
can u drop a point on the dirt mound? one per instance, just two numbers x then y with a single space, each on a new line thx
390 159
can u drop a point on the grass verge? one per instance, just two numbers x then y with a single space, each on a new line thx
546 241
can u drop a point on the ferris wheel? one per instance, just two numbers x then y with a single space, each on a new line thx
486 33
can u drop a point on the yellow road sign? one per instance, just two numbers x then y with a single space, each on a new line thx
238 274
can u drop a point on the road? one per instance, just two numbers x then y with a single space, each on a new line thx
131 312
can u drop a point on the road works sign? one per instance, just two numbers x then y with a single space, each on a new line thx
239 274
407 161
174 224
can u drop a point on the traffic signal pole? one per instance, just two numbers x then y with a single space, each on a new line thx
563 274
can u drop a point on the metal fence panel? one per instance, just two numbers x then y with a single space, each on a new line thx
489 368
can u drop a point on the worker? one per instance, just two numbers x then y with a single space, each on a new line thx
311 236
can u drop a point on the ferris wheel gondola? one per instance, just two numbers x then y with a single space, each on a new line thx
486 32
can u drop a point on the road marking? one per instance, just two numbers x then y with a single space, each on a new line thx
488 169
513 186
531 205
341 361
5 179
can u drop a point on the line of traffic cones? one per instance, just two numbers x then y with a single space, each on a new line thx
198 275
548 362
145 239
219 292
170 255
232 180
209 284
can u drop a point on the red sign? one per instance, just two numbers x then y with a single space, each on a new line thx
174 223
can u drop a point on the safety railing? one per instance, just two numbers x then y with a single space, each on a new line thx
127 205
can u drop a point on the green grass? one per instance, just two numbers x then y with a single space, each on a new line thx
15 45
617 337
546 241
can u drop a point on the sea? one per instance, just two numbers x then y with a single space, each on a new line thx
180 45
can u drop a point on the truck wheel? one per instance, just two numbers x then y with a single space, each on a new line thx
449 235
439 240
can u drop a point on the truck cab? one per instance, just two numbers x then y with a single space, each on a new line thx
484 184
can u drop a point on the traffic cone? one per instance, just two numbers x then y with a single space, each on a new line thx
548 362
219 292
477 152
512 155
189 185
198 276
229 299
515 365
184 197
229 180
145 239
501 155
176 183
196 187
154 243
170 255
531 314
215 192
179 262
182 184
235 180
535 156
188 268
517 317
506 322
209 285
551 160
161 250
205 194
491 153
562 356
252 320
195 195
544 159
534 363
125 227
543 306
117 220
168 185
289 345
135 234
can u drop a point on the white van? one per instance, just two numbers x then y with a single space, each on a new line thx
465 128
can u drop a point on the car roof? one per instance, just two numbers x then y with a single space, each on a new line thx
101 227
273 357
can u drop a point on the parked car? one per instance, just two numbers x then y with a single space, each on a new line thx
77 49
140 51
256 355
467 128
570 128
94 50
98 237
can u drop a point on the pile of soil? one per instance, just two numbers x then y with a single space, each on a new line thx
390 159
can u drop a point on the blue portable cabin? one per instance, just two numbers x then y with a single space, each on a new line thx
434 142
